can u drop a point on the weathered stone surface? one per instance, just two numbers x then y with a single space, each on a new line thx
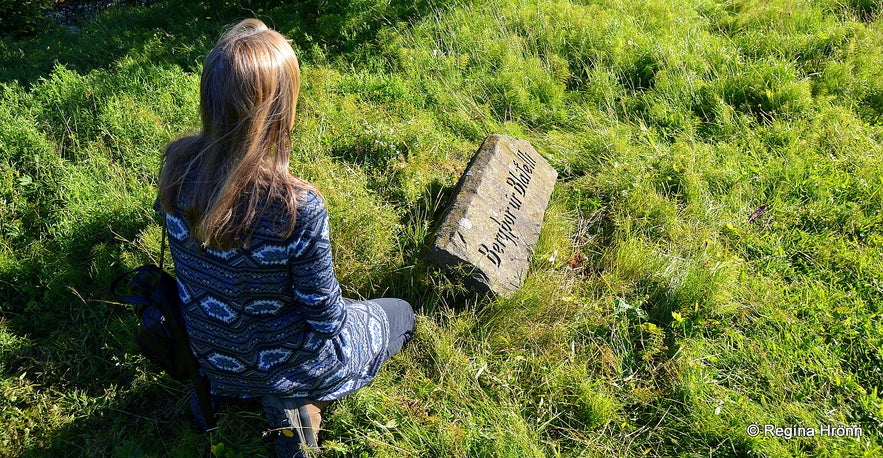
493 221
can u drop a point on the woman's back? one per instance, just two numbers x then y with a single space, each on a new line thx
269 318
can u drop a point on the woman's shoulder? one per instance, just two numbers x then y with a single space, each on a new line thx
309 200
311 211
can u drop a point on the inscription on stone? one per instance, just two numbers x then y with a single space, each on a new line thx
493 221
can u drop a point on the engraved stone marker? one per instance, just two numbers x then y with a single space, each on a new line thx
495 214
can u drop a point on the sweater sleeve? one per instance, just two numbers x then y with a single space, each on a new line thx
314 285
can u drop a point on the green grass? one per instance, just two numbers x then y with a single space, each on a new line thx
656 320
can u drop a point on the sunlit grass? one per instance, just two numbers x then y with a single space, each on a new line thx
710 258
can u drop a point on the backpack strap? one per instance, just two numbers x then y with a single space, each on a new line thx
162 245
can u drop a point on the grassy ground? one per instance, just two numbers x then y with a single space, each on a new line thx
658 319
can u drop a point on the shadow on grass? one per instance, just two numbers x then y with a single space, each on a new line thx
151 413
118 32
152 419
75 362
181 33
59 304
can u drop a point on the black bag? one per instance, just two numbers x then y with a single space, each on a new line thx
154 293
162 336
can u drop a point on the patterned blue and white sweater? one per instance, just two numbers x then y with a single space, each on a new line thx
269 318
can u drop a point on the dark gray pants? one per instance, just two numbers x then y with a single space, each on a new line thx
296 420
401 323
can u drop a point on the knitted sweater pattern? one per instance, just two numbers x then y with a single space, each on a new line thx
269 318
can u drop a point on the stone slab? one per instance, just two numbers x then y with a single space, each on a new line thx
494 218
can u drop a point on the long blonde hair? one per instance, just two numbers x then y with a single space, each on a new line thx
238 163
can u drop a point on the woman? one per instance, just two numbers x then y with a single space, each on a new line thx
251 249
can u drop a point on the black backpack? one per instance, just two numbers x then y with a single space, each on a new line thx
154 293
162 335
